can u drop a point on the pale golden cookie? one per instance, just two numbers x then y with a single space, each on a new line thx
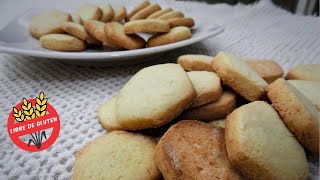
107 116
216 110
239 76
207 85
61 42
305 72
194 150
154 96
75 18
75 30
181 21
48 23
159 13
107 13
145 12
219 122
89 12
171 15
138 8
146 26
269 70
260 145
117 155
174 35
195 62
115 32
120 13
299 114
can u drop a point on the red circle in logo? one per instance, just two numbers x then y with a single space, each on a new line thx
35 128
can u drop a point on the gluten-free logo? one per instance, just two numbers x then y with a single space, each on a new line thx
33 124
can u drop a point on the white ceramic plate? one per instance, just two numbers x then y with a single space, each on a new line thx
15 39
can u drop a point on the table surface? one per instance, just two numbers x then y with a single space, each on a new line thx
261 31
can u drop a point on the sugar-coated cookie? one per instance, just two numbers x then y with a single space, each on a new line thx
107 115
299 114
219 122
117 155
146 26
305 72
216 110
181 21
107 13
194 150
115 32
310 89
61 42
208 87
239 76
138 8
120 13
269 70
75 18
159 13
89 12
154 96
174 35
195 62
145 12
75 30
260 145
171 15
48 23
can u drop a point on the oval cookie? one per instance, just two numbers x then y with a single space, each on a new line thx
120 13
181 21
145 12
62 42
75 30
174 35
170 15
89 12
146 26
195 62
107 13
159 13
138 8
107 115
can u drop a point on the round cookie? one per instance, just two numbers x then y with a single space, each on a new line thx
154 96
260 145
61 42
107 116
171 15
107 13
115 32
120 13
305 72
181 21
194 150
138 8
174 35
195 62
239 76
207 85
145 12
117 155
89 12
48 23
269 70
146 26
299 114
216 110
159 13
75 30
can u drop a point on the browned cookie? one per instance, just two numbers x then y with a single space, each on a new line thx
171 15
120 13
145 12
146 26
107 13
138 8
269 70
174 35
181 21
62 42
305 72
195 62
159 13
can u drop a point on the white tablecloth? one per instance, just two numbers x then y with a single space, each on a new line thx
260 30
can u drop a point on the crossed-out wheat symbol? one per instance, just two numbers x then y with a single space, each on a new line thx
28 112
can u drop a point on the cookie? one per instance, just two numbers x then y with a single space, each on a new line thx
195 62
93 41
305 72
61 42
120 13
107 116
138 8
159 13
145 12
117 155
89 12
207 85
107 13
219 122
146 26
174 35
75 18
194 150
181 21
239 76
154 96
216 110
48 23
269 70
75 30
260 145
171 15
115 32
97 30
298 113
310 89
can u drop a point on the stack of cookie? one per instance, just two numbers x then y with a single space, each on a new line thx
110 26
211 137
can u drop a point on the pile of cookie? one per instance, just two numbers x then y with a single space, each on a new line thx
110 27
228 118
